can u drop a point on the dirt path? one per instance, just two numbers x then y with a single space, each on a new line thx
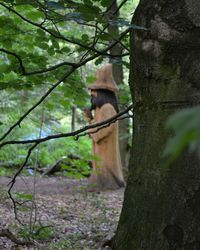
45 185
75 219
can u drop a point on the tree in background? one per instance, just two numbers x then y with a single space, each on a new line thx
161 206
117 62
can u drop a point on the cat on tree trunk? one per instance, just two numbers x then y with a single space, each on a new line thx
107 168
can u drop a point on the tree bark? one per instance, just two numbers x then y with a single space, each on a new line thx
161 204
113 30
73 121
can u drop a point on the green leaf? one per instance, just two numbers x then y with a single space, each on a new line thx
104 37
91 79
10 76
126 64
65 102
24 196
85 37
4 68
51 51
106 3
65 49
186 125
55 44
50 106
41 32
99 61
44 46
35 15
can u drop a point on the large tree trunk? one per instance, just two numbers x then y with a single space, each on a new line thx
162 203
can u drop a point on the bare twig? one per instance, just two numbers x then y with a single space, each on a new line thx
8 234
17 57
112 14
33 211
12 182
78 132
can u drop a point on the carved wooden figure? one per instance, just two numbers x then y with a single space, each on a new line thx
107 168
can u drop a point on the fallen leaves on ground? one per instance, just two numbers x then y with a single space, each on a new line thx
64 215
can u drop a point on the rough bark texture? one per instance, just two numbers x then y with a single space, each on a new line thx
161 206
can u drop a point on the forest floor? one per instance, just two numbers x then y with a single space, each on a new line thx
67 215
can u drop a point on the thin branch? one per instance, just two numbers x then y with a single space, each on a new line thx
120 6
102 126
76 66
12 182
24 72
78 132
17 57
51 68
101 32
8 234
117 10
114 13
54 34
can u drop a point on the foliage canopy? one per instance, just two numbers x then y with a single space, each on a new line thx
49 51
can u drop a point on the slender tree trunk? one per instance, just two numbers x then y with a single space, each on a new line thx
161 205
119 78
73 120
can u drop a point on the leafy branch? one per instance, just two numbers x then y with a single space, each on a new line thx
23 69
76 66
55 34
51 68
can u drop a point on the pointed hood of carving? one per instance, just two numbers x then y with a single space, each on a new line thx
105 79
